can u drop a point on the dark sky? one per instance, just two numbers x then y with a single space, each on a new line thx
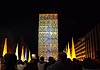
20 18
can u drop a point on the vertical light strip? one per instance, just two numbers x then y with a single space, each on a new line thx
5 47
16 53
22 54
73 49
68 52
26 54
29 56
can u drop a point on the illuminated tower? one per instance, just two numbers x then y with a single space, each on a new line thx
48 35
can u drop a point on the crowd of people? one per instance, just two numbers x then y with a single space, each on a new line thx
10 62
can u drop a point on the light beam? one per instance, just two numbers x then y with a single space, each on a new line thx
22 54
5 47
16 53
29 57
68 52
73 49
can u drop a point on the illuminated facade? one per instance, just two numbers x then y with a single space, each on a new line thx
89 45
93 42
48 35
80 49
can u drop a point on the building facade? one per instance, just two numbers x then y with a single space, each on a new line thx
48 35
92 40
80 49
89 45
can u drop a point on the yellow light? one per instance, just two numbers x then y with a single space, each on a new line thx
73 49
68 52
16 53
29 57
22 54
5 47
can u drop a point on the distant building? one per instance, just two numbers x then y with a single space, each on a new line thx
89 45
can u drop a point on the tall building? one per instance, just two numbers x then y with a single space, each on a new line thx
48 35
89 45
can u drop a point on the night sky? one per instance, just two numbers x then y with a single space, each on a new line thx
20 19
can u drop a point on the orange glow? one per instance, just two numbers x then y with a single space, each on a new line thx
5 47
68 52
29 57
22 54
73 49
16 53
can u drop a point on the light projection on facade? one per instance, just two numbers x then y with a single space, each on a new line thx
48 35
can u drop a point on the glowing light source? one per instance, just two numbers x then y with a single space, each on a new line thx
68 51
16 53
29 57
26 54
73 49
5 47
48 35
22 54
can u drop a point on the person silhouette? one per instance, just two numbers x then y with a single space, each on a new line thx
9 62
61 63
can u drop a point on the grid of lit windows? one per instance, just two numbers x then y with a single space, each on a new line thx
48 35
